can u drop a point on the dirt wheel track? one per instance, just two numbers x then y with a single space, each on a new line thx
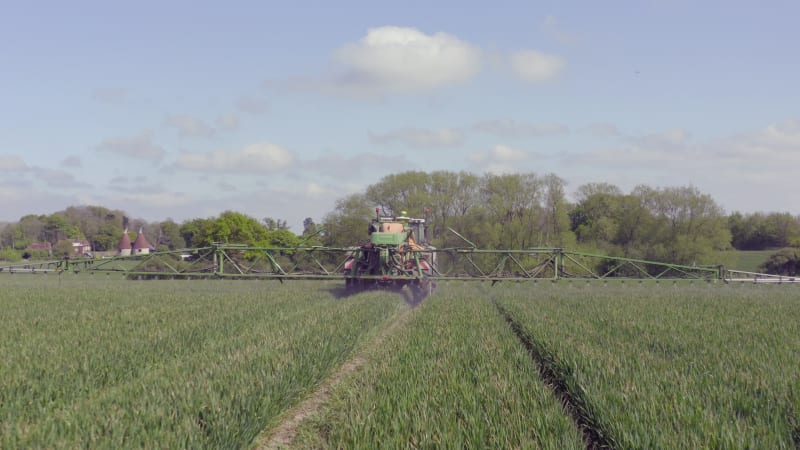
573 402
282 436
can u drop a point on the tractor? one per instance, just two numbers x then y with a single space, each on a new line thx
397 255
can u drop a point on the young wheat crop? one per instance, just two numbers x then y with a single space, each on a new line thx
455 377
673 366
166 364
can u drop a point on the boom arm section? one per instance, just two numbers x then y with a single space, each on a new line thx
411 261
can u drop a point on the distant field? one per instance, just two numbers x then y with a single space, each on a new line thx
96 361
747 260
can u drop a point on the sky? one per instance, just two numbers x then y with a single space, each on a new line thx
185 109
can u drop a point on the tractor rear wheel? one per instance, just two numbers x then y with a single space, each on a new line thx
351 285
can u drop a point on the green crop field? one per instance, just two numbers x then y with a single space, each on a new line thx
102 362
701 366
455 377
99 363
747 260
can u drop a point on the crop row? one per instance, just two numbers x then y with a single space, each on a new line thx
172 364
455 377
676 367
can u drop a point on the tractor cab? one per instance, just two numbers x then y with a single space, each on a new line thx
419 230
396 230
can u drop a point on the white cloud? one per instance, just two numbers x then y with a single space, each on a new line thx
399 59
749 171
513 128
534 66
784 134
140 146
12 163
255 158
755 171
776 147
500 153
504 153
190 127
314 190
395 60
419 138
500 159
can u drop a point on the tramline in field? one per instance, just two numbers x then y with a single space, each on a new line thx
398 254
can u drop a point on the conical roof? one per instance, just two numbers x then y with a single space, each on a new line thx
141 241
125 242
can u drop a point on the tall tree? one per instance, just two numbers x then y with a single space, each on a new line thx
57 228
453 197
32 227
14 237
275 224
689 226
632 222
513 205
347 224
197 232
556 213
169 235
594 217
311 232
233 227
406 191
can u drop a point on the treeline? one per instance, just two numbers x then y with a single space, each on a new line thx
38 236
513 211
517 211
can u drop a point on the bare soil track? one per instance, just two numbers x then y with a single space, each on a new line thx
283 435
554 376
795 424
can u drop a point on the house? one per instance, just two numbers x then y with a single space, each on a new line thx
139 247
81 247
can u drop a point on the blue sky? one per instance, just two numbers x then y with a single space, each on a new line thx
276 109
